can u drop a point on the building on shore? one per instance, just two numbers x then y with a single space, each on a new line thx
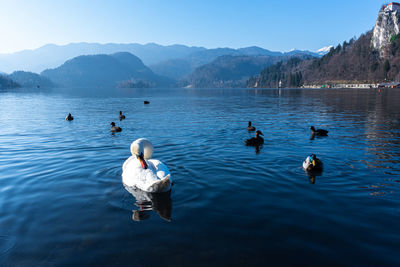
389 85
342 85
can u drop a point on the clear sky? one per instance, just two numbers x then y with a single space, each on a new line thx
275 25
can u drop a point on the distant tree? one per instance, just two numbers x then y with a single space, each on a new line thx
374 66
386 66
345 45
338 48
291 80
299 79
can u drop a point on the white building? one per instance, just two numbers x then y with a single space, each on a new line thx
393 6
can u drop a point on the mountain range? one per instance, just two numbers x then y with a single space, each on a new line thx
136 65
52 56
179 68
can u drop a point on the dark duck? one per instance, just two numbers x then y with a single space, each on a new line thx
312 163
114 128
69 117
319 132
255 141
121 116
250 128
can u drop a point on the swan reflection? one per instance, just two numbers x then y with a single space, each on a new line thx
148 202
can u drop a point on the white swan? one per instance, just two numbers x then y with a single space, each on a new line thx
139 171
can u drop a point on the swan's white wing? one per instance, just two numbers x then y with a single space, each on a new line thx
134 175
128 161
160 169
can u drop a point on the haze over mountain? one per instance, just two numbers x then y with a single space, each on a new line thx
232 70
105 71
7 83
52 56
30 79
180 68
78 64
126 69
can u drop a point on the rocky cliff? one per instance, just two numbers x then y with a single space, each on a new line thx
387 26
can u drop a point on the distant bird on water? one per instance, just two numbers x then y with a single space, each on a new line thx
121 116
114 128
146 102
251 128
69 117
255 141
312 163
319 132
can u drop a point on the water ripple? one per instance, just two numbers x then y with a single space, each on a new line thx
62 199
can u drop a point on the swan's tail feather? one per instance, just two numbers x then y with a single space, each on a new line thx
161 186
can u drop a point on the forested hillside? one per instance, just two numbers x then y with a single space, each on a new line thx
351 62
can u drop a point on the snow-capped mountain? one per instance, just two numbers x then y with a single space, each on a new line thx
324 50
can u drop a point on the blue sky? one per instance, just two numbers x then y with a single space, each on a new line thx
275 25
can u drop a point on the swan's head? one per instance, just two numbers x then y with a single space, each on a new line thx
142 147
259 133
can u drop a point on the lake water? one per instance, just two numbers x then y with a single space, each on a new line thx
62 201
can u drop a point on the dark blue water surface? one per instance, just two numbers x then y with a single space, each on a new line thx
62 201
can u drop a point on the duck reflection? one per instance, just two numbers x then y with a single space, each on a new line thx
312 177
258 149
147 202
313 136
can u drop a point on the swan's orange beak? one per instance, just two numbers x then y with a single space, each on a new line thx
142 162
